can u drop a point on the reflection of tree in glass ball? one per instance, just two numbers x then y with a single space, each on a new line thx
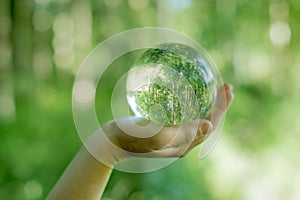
171 84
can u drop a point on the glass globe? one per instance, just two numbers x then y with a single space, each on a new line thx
171 84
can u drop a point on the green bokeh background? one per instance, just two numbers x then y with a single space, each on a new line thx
255 44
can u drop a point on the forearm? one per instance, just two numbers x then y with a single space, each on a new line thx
84 178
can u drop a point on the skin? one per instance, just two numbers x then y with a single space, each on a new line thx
86 177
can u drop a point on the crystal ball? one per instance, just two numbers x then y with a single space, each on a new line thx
171 84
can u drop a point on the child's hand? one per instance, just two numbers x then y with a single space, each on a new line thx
142 138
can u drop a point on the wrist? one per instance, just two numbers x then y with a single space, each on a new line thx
105 149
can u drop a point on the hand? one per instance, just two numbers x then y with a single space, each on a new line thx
140 137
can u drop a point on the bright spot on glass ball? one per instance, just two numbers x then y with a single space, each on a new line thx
171 84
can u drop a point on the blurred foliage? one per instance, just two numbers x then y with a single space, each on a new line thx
255 44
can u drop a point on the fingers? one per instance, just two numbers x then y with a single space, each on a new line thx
205 128
223 101
229 94
191 135
188 132
169 152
